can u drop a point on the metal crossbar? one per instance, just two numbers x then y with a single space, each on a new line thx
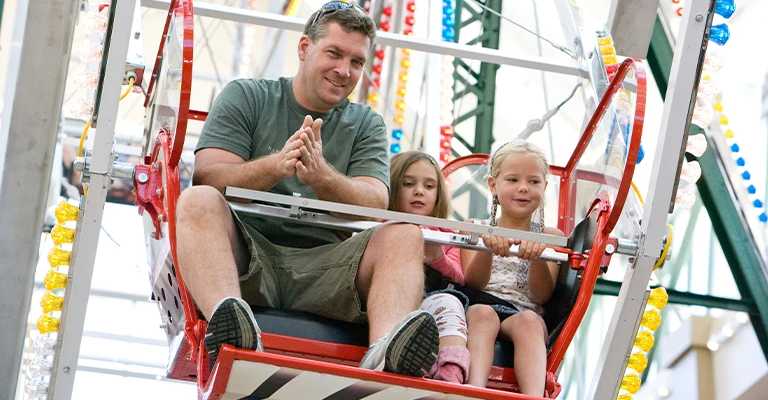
392 216
329 221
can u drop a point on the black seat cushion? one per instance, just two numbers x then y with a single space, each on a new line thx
309 326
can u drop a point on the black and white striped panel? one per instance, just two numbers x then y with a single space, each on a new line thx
256 381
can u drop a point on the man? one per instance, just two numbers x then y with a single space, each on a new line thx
302 135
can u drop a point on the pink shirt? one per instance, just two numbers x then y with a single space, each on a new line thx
449 265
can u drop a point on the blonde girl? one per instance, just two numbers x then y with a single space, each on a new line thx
509 290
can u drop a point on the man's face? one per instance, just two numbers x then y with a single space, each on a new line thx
332 66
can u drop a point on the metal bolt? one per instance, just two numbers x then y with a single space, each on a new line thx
79 164
610 248
142 177
699 18
67 369
159 192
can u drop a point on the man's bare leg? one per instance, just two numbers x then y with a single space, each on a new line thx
391 276
391 279
209 247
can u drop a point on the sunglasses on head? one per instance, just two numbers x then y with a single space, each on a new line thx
330 8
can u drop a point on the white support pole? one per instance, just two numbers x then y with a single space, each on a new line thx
383 38
683 82
92 207
33 92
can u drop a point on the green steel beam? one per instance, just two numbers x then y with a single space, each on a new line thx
477 83
660 56
738 245
611 288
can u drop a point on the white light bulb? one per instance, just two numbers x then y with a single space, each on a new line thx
696 145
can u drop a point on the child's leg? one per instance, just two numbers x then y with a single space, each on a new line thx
528 332
483 328
453 358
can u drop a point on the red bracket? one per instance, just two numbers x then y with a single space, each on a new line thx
148 183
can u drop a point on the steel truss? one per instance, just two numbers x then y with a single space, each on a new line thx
476 84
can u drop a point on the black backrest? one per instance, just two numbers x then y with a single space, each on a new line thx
559 306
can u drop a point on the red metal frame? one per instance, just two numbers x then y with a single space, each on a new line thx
567 179
198 115
229 354
166 152
177 9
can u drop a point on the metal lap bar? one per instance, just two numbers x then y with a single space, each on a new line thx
303 209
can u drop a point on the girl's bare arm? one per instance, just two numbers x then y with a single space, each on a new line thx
542 276
477 268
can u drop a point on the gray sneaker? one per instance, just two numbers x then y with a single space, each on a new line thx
232 323
409 349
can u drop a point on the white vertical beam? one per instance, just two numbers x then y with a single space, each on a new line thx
683 82
92 206
33 94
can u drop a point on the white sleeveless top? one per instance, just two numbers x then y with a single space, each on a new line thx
509 279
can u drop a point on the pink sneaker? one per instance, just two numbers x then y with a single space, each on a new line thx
452 365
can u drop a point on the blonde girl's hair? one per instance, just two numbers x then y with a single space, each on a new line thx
400 163
515 146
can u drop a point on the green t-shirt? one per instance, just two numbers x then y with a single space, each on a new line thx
255 117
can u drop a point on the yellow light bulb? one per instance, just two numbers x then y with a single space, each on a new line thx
718 106
398 119
58 257
605 41
47 324
631 383
651 319
610 59
728 133
658 297
607 50
405 52
61 234
373 97
50 302
400 105
644 340
723 120
403 77
405 63
55 280
624 396
638 361
66 212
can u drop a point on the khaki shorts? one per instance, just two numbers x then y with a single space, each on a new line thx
318 280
